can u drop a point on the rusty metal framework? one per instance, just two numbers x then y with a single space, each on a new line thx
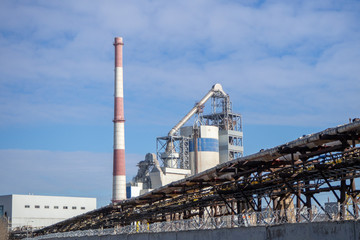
248 219
287 177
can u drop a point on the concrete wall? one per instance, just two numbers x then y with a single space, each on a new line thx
349 230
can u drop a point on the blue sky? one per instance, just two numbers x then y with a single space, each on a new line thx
290 68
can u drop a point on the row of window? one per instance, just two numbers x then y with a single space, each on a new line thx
55 207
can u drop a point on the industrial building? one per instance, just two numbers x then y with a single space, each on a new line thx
272 187
37 211
211 139
198 179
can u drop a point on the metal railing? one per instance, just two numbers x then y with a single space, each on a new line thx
267 217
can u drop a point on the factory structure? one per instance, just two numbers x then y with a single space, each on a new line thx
119 178
198 179
211 139
207 140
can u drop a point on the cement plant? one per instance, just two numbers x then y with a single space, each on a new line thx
199 185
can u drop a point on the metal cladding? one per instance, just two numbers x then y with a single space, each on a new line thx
119 177
204 149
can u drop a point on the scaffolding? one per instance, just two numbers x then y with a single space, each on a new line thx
230 128
179 155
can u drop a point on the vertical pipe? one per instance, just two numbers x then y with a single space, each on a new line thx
342 199
308 199
352 184
119 178
298 200
259 202
196 158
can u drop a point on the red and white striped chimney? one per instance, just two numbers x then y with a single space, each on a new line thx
119 177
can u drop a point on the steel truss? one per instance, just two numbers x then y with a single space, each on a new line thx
180 156
265 218
284 179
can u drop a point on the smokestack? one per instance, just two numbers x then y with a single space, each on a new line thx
119 177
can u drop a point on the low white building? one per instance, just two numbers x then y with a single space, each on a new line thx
40 211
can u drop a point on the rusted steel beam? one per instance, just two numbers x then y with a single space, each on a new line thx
181 195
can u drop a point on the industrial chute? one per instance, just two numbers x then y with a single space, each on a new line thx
170 156
186 150
217 88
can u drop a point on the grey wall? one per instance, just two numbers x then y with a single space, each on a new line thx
347 230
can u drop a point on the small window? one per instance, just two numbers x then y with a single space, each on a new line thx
37 206
73 207
56 207
47 207
82 208
65 207
27 206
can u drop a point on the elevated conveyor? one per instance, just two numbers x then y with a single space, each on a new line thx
290 174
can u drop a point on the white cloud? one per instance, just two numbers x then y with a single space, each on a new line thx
177 50
282 63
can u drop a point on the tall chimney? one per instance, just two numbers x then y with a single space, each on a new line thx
119 177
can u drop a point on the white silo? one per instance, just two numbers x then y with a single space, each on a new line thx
204 148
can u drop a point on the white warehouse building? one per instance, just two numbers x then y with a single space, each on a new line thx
39 211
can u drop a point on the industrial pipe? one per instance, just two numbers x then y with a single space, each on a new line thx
216 88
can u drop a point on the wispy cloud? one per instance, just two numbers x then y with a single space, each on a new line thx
61 51
282 62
